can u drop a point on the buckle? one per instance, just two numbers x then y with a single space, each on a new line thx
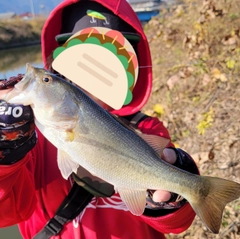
54 226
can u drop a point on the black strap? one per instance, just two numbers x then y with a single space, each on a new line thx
136 118
68 210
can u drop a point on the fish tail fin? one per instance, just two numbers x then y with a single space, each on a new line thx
210 207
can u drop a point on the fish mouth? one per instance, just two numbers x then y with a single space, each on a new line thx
29 67
27 79
18 94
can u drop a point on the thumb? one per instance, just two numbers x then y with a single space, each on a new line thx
169 155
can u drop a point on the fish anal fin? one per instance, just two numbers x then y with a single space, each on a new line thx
65 164
210 207
135 200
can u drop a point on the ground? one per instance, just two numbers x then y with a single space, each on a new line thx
196 92
195 49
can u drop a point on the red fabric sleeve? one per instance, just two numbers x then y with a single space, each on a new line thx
17 192
181 219
176 222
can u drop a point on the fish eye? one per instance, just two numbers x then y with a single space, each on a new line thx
47 79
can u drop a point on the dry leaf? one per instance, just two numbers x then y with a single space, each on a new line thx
172 81
158 109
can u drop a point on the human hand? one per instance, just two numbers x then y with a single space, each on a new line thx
160 199
169 156
17 129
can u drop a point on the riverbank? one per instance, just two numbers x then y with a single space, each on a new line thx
18 32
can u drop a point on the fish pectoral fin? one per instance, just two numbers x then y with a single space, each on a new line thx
158 143
68 135
135 200
66 164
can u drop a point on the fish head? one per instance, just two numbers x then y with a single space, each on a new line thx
50 97
29 91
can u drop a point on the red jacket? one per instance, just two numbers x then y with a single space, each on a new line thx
32 189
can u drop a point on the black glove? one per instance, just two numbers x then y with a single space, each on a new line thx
185 162
17 132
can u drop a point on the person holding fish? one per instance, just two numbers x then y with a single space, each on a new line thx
88 168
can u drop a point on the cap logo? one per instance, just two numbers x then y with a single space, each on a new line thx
96 15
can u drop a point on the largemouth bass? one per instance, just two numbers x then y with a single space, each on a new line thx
87 135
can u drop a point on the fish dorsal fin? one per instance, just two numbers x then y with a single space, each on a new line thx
135 200
158 143
65 164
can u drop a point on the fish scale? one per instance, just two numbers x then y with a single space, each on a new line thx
88 136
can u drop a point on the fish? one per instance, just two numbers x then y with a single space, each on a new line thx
86 135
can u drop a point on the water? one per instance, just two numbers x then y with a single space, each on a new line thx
13 61
10 233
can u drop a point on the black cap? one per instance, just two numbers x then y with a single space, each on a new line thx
86 14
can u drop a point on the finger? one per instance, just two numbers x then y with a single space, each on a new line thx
169 156
161 196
